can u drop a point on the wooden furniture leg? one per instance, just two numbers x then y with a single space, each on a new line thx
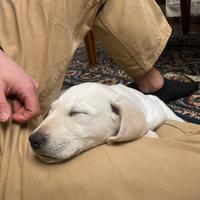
91 48
185 15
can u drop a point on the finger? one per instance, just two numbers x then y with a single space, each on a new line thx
16 105
27 107
36 84
5 109
23 115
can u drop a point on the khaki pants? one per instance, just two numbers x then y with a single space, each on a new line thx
41 36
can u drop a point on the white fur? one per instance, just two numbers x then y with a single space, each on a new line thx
90 114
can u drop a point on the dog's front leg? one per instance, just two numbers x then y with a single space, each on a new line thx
151 134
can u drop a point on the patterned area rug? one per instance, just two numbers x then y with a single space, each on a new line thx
180 60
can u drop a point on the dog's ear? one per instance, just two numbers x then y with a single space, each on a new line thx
132 121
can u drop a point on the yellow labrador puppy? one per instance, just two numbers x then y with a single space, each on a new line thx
91 114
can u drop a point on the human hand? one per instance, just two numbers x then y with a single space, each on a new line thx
20 88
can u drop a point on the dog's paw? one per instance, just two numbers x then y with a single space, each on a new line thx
151 134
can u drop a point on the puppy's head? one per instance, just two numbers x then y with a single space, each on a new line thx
85 116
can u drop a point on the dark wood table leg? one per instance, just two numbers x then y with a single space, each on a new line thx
185 15
90 45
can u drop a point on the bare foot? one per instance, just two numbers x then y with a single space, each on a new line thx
152 81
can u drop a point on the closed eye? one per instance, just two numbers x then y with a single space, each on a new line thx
73 113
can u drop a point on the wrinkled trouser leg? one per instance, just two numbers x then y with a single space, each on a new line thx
134 32
41 36
146 169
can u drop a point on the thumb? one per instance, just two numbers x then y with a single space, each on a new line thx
5 109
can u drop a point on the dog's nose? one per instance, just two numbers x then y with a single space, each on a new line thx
37 140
